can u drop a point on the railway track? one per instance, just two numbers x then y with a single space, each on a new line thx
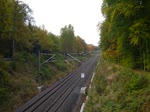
55 98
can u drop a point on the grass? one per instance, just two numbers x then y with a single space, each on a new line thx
118 89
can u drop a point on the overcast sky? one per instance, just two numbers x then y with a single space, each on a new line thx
83 15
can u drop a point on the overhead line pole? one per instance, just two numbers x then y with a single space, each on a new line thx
39 69
40 64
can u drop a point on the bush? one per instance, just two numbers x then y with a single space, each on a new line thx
47 73
128 61
4 95
4 86
4 78
136 82
24 56
60 63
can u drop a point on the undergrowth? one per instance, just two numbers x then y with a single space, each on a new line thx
19 78
118 89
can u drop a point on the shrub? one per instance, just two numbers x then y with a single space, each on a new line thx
4 95
24 56
61 65
136 82
4 86
128 61
47 73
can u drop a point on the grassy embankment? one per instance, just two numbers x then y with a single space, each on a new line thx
19 78
119 89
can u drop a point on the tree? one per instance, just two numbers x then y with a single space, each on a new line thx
125 32
14 16
56 41
67 39
80 45
41 40
91 47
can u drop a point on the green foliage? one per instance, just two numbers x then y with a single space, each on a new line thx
71 43
136 82
56 42
128 60
15 84
123 90
4 95
138 31
4 84
4 78
8 66
46 73
67 38
125 32
24 56
60 63
61 66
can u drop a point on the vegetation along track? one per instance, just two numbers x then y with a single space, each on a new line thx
51 99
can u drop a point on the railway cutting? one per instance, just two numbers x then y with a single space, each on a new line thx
63 95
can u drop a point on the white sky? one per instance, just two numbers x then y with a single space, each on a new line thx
83 15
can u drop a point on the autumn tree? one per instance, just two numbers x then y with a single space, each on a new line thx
80 44
91 47
15 16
